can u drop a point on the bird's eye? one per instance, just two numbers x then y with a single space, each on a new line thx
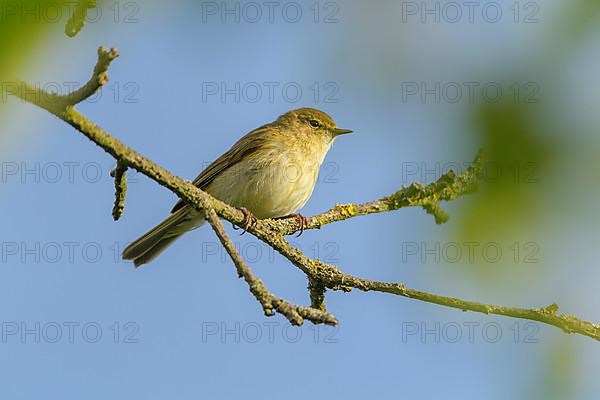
314 123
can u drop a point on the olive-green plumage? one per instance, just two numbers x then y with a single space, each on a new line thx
271 172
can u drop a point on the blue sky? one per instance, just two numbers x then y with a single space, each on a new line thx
185 326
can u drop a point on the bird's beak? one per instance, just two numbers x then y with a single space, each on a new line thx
340 131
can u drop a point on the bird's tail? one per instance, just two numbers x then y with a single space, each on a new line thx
156 240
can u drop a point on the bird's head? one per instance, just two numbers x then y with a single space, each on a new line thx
310 122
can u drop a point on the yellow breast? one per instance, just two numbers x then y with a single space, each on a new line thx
274 181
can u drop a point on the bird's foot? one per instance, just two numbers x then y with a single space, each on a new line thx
249 220
302 221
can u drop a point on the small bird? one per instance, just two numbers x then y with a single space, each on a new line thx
269 173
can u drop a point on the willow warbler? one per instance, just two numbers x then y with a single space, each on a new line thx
270 172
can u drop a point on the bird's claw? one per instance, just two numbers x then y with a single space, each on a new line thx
302 221
249 220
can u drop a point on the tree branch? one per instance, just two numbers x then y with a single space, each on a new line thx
120 188
269 302
317 291
448 187
320 275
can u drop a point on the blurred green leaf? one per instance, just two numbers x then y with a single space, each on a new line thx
518 158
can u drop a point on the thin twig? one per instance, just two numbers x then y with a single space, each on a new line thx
120 188
317 291
59 104
99 77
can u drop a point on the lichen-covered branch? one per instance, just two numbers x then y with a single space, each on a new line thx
448 187
317 290
547 315
120 188
331 277
321 275
270 303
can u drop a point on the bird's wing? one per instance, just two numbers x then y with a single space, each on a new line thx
247 145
